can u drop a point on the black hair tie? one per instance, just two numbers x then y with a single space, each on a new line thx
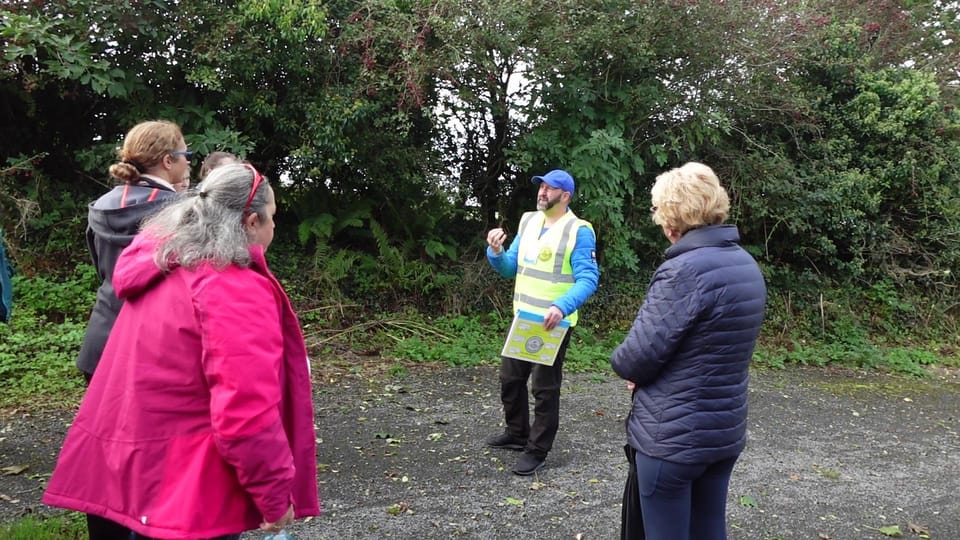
135 165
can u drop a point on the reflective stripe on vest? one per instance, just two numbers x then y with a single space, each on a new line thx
544 272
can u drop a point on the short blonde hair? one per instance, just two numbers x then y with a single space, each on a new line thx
689 197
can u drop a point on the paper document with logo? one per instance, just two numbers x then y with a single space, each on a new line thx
528 340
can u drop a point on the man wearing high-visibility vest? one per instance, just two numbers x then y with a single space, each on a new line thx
554 260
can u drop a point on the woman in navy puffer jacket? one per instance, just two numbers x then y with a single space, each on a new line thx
687 357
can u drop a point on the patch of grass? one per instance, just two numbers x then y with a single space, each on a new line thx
827 473
471 341
457 341
846 328
589 352
874 327
66 526
856 353
398 370
39 347
768 357
57 299
37 361
902 387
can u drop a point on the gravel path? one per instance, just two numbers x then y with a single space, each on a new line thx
831 455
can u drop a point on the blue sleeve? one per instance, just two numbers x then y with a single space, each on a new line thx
506 262
586 273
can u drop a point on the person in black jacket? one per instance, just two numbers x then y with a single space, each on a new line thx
153 162
687 358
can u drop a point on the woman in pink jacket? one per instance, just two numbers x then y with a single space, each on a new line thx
199 422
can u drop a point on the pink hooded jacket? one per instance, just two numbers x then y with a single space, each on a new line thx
199 420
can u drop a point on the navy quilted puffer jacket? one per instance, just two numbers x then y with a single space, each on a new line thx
690 347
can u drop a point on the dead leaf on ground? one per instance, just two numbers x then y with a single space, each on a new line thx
14 469
918 529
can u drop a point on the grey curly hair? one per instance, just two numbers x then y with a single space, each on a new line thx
206 225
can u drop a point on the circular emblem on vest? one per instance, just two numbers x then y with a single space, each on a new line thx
545 254
533 345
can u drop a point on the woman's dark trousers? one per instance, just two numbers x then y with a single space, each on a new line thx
683 502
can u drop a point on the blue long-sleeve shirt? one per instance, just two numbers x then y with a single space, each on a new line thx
583 260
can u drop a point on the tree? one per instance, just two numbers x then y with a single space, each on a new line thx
850 168
403 129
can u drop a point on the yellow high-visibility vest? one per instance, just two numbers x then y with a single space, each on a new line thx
544 272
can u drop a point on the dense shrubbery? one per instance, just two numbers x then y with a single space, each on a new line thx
39 346
463 322
401 133
810 320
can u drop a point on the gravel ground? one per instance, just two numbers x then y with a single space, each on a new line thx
832 454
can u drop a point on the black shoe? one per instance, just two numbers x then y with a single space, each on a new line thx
506 440
529 464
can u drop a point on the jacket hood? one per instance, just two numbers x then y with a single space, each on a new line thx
117 224
136 270
115 217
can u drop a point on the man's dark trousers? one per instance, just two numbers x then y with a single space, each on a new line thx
545 387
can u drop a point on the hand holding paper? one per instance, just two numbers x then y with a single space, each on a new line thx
529 339
552 318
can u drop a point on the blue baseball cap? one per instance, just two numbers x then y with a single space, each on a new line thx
556 178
